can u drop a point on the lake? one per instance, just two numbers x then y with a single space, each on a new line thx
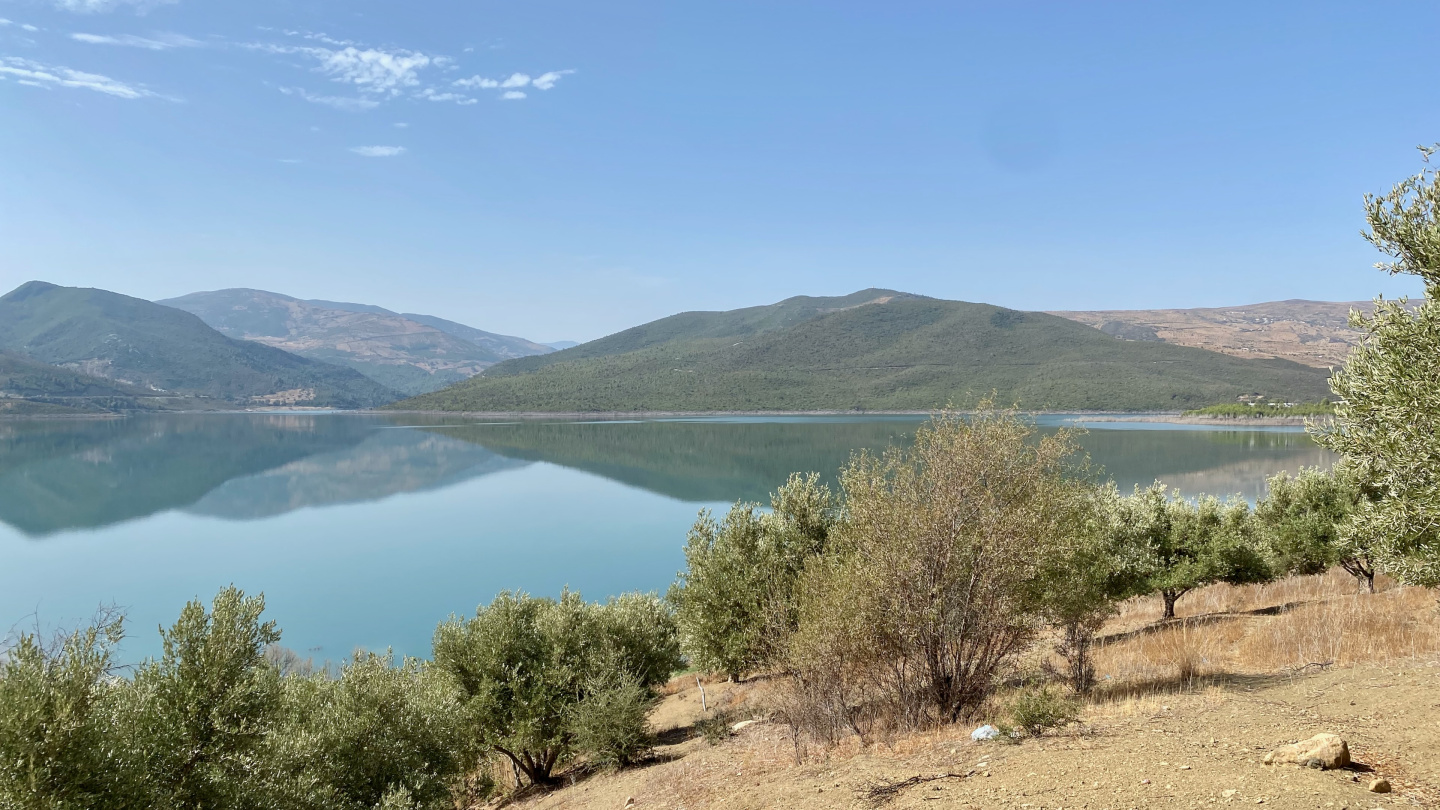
365 531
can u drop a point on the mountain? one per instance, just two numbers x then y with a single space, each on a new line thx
170 354
875 350
410 353
558 345
1315 333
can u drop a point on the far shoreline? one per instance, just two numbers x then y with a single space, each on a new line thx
1164 417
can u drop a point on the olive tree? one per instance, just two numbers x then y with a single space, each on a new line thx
937 576
57 731
736 600
1190 544
1302 519
530 669
202 713
1387 419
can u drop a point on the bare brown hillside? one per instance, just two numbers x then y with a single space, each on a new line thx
1315 333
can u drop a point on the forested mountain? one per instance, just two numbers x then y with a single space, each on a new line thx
875 349
410 353
166 353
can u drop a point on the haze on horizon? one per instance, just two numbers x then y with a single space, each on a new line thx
564 170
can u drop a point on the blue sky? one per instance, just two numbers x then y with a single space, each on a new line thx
687 155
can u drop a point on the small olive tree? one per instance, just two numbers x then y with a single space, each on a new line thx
937 576
377 730
202 712
534 673
1387 419
736 600
1190 544
1303 520
57 731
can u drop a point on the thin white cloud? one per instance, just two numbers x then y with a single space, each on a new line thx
37 75
157 42
516 80
100 6
291 160
434 95
22 26
545 81
476 81
344 103
378 151
512 95
401 125
371 70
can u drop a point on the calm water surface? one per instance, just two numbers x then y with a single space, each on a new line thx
365 531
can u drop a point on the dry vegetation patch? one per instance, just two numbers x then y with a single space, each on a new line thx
1184 716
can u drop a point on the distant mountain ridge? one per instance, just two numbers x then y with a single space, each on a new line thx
1315 333
410 353
874 349
165 353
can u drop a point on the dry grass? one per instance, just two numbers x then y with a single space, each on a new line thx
1282 627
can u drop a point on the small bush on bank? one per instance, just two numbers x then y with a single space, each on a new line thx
716 727
1038 709
611 725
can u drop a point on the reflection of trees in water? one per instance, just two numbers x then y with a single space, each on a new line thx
387 462
61 475
727 461
691 461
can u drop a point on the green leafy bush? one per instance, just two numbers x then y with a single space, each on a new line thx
1036 710
611 725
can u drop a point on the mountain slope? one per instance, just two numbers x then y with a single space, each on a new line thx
412 354
1315 333
896 352
168 352
505 346
31 387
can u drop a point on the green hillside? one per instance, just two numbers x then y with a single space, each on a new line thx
166 351
898 352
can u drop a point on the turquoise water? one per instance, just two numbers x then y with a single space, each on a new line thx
365 531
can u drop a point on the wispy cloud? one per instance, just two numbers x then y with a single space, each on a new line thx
513 82
345 103
378 151
545 81
37 75
477 82
370 70
100 6
401 125
22 26
434 95
156 42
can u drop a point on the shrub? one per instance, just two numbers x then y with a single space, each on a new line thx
201 714
736 599
938 573
377 731
1301 520
56 748
1036 710
716 727
526 666
611 725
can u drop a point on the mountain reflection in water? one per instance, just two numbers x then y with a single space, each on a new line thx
62 475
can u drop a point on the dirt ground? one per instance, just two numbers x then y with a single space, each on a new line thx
1148 740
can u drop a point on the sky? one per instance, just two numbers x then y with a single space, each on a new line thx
564 170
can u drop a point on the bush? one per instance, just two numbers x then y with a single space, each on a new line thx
1303 519
736 599
374 733
611 725
716 727
938 574
56 726
1036 710
527 667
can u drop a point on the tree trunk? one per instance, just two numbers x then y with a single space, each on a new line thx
1170 597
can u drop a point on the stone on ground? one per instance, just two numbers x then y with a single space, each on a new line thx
1326 751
